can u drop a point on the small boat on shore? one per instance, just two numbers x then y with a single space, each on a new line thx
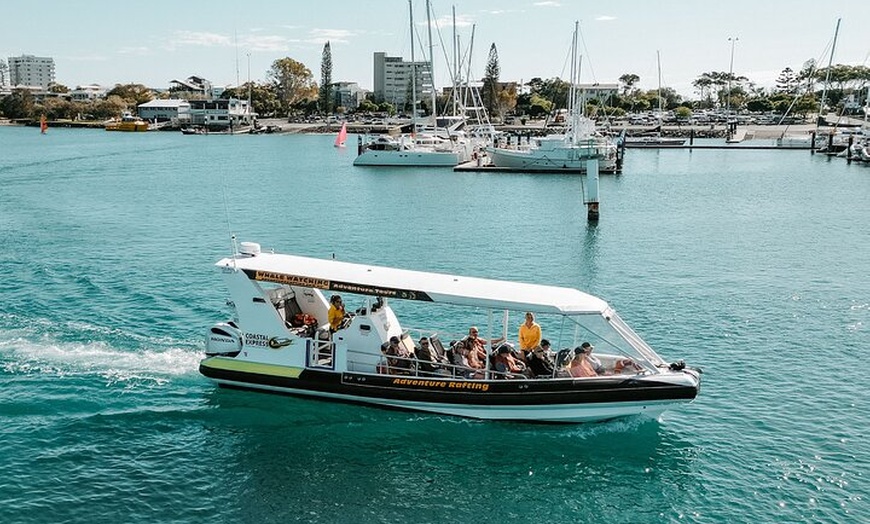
280 340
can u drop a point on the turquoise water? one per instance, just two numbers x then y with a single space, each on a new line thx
750 264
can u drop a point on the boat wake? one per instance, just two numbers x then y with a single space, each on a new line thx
26 352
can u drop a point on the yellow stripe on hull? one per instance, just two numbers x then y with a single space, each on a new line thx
231 364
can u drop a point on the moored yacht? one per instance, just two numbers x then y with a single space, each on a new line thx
655 140
568 152
425 149
559 153
280 340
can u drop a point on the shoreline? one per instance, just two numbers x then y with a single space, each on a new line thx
751 131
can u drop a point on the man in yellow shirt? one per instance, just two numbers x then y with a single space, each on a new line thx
530 334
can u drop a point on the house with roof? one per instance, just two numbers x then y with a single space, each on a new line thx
192 87
220 114
169 110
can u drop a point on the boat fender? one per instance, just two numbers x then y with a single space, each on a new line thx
677 366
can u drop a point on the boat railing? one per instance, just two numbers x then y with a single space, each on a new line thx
322 354
358 361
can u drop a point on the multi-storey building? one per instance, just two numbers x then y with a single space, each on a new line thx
602 92
392 79
348 95
218 114
31 71
4 73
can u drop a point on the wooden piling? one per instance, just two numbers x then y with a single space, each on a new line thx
849 150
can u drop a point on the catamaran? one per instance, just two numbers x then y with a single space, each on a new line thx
279 339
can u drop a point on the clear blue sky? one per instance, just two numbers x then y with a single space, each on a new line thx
108 42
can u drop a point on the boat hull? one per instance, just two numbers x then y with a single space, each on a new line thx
551 161
655 143
408 158
549 400
129 127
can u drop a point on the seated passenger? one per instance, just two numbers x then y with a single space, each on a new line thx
626 365
596 364
428 360
398 358
506 364
464 366
580 366
477 345
540 361
619 366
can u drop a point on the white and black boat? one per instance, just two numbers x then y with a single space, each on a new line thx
279 340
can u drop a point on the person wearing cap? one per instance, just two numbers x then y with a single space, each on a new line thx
580 366
398 357
529 334
540 361
506 364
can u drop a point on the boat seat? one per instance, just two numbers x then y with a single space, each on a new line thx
563 356
408 343
436 344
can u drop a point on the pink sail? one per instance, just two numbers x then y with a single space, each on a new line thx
342 135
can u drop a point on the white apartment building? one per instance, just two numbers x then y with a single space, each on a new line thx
29 70
602 92
4 73
392 79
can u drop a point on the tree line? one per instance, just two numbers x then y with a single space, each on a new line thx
290 89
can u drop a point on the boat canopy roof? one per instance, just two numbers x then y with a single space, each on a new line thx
389 282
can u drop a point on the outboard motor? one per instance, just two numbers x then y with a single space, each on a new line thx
223 340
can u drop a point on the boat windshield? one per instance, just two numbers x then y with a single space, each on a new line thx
610 334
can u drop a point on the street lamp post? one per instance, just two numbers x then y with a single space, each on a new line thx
733 41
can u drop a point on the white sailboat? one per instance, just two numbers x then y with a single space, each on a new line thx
813 140
656 139
424 146
562 153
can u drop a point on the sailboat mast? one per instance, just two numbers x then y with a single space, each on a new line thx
828 72
659 66
469 97
456 70
413 72
572 89
431 62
